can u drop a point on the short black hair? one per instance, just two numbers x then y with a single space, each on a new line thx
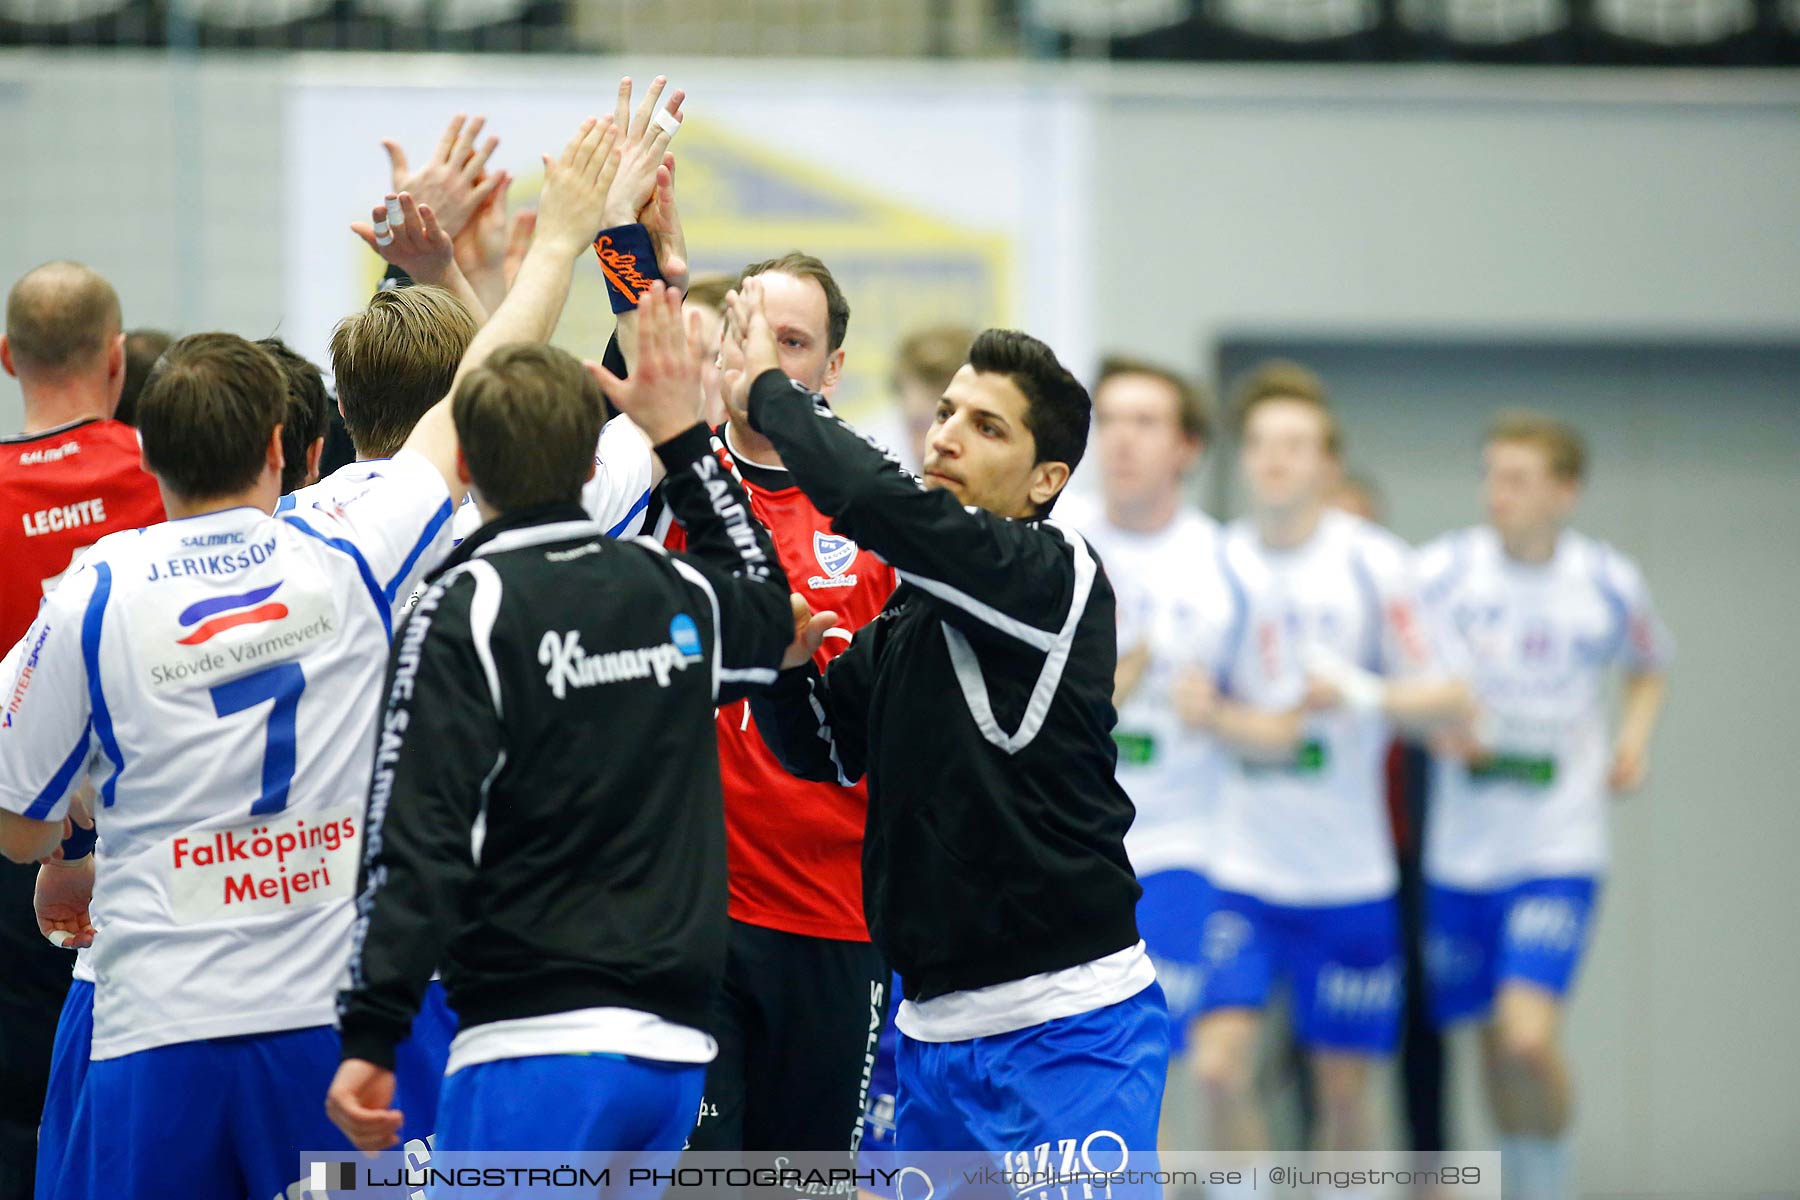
308 411
207 412
142 348
1058 409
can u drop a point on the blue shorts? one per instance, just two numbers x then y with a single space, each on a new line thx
1096 1078
68 1068
1343 963
1170 917
419 1068
419 1064
1533 932
591 1103
220 1119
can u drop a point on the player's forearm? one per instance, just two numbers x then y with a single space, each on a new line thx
489 286
531 309
714 510
1641 708
1003 574
459 285
793 717
1422 705
24 840
1257 732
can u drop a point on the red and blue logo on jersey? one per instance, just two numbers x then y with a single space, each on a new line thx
214 616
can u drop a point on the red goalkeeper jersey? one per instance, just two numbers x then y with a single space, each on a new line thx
60 492
794 847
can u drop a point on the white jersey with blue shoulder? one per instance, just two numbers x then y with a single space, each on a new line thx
220 678
1178 598
1313 829
1537 643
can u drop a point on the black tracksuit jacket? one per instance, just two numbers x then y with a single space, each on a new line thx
979 704
555 688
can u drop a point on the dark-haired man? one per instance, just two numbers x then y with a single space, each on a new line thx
979 705
217 675
585 961
308 416
142 348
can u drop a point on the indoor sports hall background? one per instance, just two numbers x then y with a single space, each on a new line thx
1444 207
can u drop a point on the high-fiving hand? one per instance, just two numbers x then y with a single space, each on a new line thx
417 243
749 346
662 397
643 192
571 209
454 181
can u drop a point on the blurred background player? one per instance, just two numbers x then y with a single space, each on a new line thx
803 985
1539 616
924 363
70 477
1422 1062
308 416
1304 863
142 348
1182 621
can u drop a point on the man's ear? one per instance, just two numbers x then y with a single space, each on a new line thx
834 371
6 356
277 458
314 453
462 470
115 370
1047 480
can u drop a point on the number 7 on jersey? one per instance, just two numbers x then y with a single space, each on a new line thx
282 684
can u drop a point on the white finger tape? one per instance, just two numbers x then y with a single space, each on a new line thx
667 121
60 938
385 239
395 216
381 227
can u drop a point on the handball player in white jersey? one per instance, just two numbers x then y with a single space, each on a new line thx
1303 864
1183 623
1540 618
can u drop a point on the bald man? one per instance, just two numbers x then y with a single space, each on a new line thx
71 477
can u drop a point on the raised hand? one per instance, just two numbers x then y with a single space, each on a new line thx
749 346
662 397
663 223
572 207
643 158
518 240
481 246
416 243
454 181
